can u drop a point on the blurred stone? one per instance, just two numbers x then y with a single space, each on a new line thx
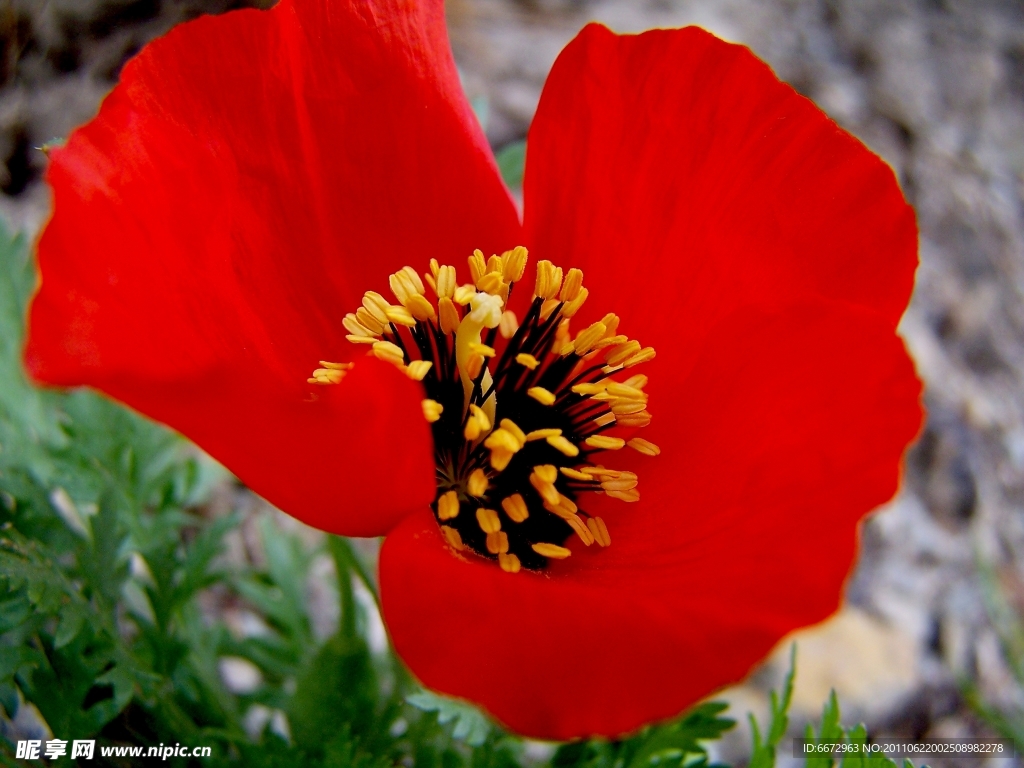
871 665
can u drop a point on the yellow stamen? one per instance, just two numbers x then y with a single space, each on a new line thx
546 472
623 482
385 350
509 324
464 294
490 283
548 307
353 326
599 472
449 315
514 264
574 474
474 365
448 505
497 543
604 419
641 419
599 531
637 381
626 392
610 341
542 434
627 407
477 266
477 424
420 308
560 443
553 551
482 349
571 308
631 495
510 426
544 486
367 320
488 520
417 369
500 458
581 529
453 538
589 389
645 447
515 507
503 440
622 353
336 366
477 483
647 353
432 410
571 286
400 316
541 395
529 361
446 282
564 508
605 443
361 339
549 280
509 563
377 306
587 338
495 264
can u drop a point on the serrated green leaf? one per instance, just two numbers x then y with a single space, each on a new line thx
469 724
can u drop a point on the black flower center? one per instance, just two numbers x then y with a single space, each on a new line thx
521 427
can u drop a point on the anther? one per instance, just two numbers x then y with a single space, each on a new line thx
541 395
497 543
488 520
599 531
553 551
477 483
417 369
432 410
448 505
529 361
509 563
604 442
389 352
560 443
581 529
644 446
542 434
515 508
453 538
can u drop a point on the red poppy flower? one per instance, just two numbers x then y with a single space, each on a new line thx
255 174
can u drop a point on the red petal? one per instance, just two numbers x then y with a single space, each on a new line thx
249 178
691 182
788 432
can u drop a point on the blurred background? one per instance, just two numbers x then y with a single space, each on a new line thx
930 641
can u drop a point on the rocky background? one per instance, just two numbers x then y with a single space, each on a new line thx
936 87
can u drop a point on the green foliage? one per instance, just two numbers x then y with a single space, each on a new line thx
511 163
1009 626
124 590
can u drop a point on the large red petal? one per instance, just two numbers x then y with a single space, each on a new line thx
787 432
249 178
687 180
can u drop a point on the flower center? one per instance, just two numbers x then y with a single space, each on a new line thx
520 426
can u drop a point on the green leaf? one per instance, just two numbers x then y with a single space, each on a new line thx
511 164
763 755
469 724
